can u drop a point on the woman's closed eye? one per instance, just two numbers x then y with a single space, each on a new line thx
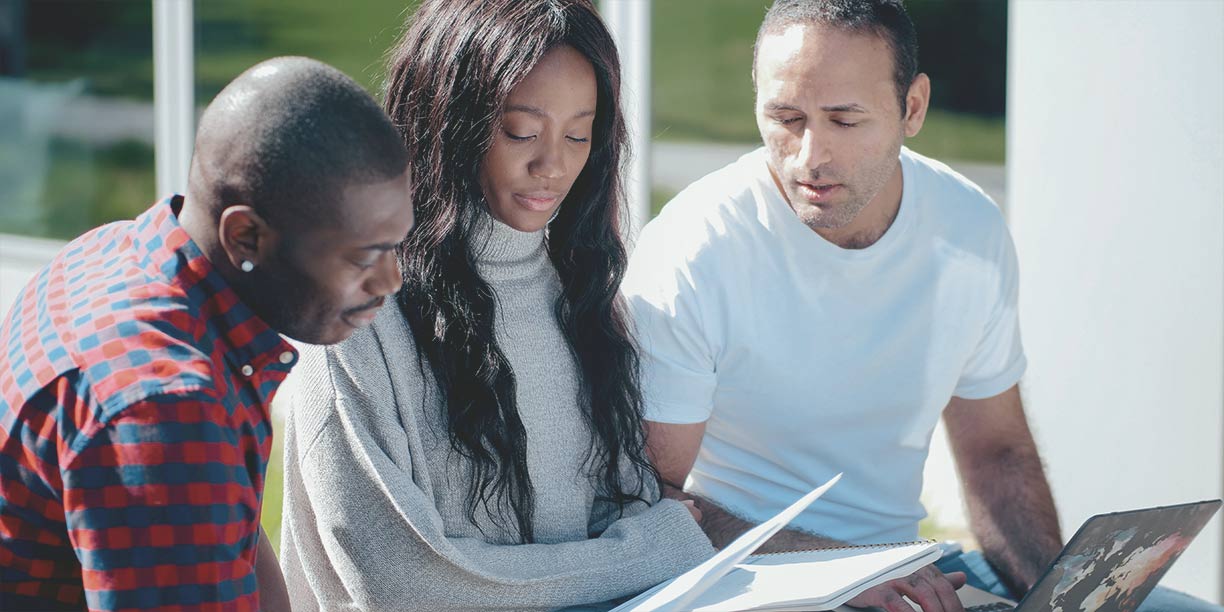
529 137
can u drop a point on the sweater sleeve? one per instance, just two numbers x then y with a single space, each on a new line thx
384 539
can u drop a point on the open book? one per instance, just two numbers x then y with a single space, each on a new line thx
802 580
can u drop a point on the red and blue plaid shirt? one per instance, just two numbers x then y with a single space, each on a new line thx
134 427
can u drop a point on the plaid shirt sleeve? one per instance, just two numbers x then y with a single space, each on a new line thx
162 507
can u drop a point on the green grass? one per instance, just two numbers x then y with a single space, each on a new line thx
701 57
274 493
659 197
957 136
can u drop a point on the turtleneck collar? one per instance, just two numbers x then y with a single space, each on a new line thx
504 253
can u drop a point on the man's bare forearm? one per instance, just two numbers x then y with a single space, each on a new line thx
1012 513
273 594
722 527
1010 506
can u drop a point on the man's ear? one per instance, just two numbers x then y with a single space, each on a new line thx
244 235
917 101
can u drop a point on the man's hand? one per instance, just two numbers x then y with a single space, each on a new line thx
928 587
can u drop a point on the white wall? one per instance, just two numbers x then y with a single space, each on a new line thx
1116 190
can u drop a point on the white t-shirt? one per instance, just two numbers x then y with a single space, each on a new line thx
806 359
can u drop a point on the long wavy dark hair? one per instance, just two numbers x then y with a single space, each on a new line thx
448 80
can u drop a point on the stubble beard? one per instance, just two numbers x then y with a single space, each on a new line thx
286 299
831 215
825 216
836 215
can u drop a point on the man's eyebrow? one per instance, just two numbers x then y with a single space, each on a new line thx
778 106
844 108
539 112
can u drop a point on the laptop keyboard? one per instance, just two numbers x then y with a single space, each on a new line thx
994 607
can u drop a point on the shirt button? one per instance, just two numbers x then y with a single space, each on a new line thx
247 370
286 357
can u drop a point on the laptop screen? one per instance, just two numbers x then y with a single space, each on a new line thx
1115 560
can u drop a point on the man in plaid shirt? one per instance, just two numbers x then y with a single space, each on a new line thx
136 369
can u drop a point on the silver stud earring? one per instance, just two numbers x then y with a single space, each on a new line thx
247 266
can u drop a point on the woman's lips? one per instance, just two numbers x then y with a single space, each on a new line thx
538 201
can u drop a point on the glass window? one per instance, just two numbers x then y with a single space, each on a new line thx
76 114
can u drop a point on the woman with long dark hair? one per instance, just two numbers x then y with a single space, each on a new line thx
481 445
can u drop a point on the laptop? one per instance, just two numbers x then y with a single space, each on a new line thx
1112 563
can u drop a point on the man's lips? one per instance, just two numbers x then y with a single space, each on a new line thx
817 192
538 201
365 314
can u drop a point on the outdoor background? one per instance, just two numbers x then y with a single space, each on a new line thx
76 89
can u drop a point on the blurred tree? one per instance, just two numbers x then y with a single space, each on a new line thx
12 38
109 42
962 46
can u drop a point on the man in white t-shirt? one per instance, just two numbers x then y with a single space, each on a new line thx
816 306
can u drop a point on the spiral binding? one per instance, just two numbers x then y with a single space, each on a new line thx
847 547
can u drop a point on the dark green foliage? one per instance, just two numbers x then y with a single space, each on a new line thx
962 45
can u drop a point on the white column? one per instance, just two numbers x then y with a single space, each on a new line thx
1115 134
629 21
173 92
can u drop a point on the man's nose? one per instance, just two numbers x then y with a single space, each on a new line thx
387 279
814 151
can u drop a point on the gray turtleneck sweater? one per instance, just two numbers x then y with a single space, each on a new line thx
375 497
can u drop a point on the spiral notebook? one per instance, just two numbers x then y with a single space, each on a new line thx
815 579
803 580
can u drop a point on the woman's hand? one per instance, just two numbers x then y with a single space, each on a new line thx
692 508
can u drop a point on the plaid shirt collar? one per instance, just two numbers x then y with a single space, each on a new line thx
253 349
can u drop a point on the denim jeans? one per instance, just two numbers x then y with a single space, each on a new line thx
981 575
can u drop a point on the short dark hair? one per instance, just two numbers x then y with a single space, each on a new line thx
884 18
286 137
